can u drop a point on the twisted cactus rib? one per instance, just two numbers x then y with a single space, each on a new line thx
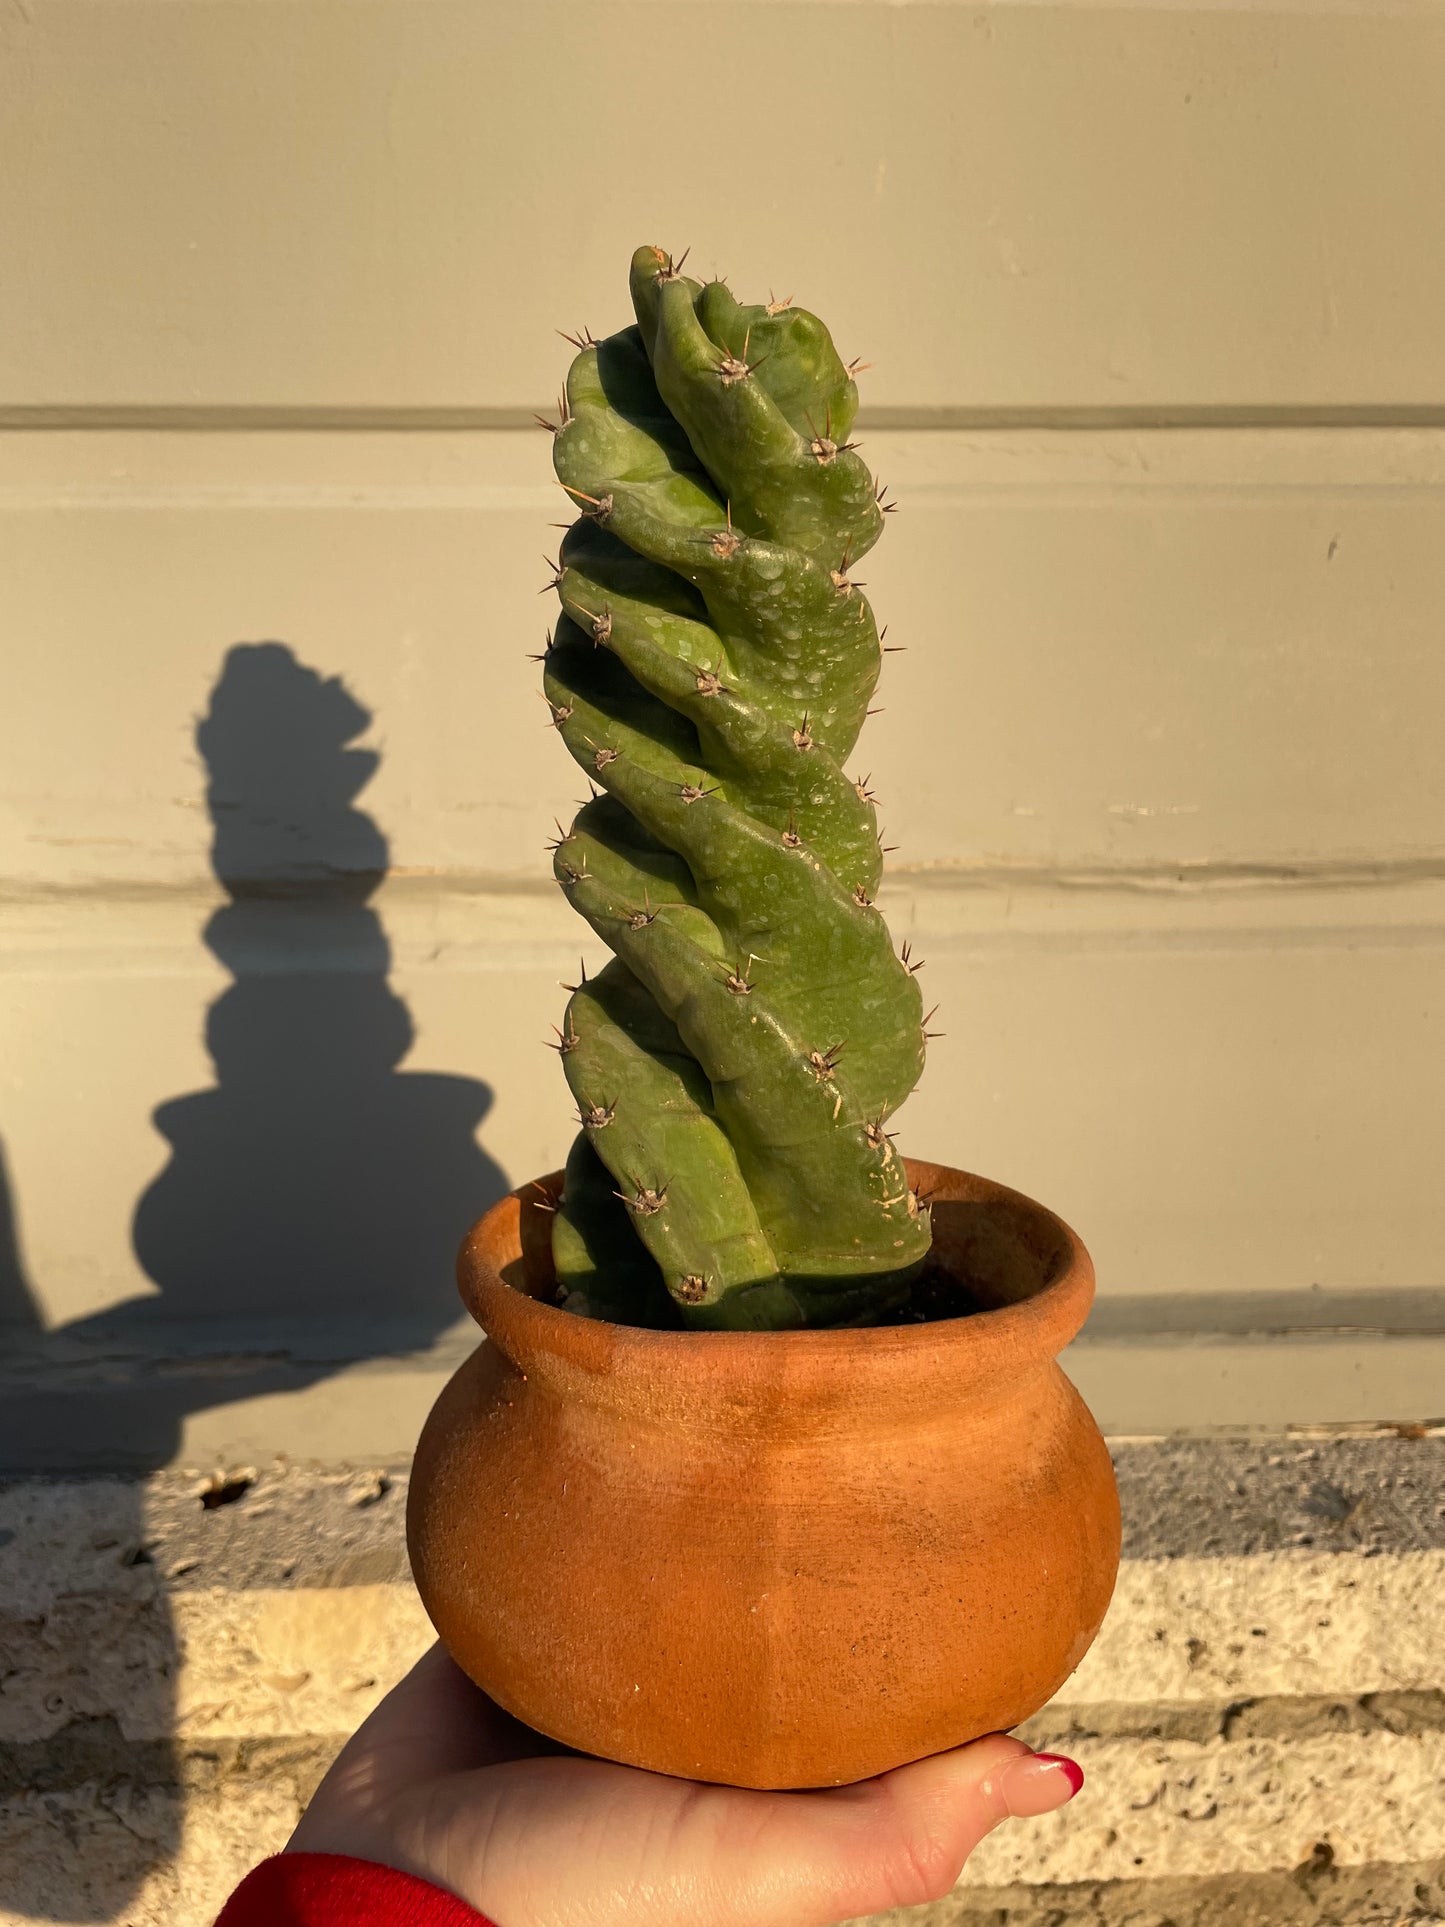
735 1065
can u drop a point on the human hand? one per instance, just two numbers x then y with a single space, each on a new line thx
441 1783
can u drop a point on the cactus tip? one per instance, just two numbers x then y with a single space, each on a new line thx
670 270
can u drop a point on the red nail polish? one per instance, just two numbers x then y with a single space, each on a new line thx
1071 1769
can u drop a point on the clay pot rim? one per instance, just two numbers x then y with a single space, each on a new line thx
919 1362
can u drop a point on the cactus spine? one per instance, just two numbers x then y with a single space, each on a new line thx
735 1064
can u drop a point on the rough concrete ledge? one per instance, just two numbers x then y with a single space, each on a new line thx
281 1524
1317 1893
1262 1720
1273 1717
1375 1491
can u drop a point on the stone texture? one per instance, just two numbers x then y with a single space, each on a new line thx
1275 1623
1381 1490
1319 1893
1281 1630
1248 1806
1262 1721
144 1857
298 1661
163 1858
288 1526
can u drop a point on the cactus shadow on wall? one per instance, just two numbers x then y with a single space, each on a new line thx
306 1216
317 1179
310 1208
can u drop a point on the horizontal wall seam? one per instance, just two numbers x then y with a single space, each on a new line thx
1234 877
365 418
40 1362
62 1410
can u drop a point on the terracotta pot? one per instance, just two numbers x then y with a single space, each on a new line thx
775 1559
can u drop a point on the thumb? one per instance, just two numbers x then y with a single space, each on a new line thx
912 1829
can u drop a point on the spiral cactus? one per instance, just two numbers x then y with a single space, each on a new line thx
736 1063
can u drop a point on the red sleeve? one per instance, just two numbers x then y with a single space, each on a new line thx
330 1890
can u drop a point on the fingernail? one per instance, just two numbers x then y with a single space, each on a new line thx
1070 1769
1040 1782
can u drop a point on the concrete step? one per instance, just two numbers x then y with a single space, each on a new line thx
1262 1719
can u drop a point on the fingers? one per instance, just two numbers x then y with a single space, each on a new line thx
452 1724
779 1859
433 1723
539 1842
1040 1784
992 1779
910 1831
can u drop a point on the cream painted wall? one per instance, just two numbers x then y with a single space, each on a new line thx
1155 299
392 203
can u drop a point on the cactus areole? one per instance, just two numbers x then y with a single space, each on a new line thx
736 1062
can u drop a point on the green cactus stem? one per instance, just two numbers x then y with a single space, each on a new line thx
736 1063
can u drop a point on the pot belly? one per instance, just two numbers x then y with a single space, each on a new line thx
762 1612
